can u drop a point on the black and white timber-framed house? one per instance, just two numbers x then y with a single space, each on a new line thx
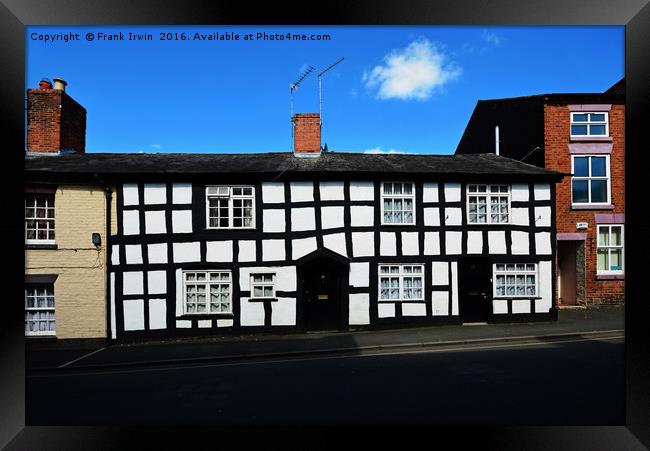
304 240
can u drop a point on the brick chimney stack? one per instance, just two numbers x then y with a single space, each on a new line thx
306 135
56 123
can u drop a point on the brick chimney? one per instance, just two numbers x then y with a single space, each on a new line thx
306 135
56 123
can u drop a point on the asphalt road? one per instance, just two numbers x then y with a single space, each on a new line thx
553 382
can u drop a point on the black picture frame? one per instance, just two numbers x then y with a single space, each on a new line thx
633 14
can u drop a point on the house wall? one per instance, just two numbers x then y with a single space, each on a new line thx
80 288
558 158
161 230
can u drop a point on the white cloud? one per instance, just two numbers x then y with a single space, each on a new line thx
412 73
378 149
492 38
156 146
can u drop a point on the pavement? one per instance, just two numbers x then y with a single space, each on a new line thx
59 356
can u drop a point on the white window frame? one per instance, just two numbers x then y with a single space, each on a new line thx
400 275
589 177
230 198
207 282
52 220
588 123
39 286
609 247
398 196
263 285
515 272
488 194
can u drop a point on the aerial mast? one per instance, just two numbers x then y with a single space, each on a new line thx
320 90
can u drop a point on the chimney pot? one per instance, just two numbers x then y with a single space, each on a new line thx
59 83
45 84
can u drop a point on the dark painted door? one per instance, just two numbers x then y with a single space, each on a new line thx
321 298
475 290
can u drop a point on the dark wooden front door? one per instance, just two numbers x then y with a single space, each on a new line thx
321 300
475 289
321 294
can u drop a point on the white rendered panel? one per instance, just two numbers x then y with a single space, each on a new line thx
454 288
332 217
219 251
182 193
247 251
273 250
430 192
283 312
132 282
157 253
182 221
156 282
386 310
133 254
474 242
335 242
440 303
155 193
273 192
155 222
359 312
133 314
454 243
387 244
302 191
186 252
409 309
363 244
331 191
273 220
410 243
431 243
359 274
130 194
362 191
497 242
157 314
131 222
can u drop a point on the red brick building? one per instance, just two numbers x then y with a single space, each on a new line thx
583 136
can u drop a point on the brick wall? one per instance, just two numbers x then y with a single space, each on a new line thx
55 122
80 289
558 158
306 133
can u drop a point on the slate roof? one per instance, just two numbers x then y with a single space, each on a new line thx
618 87
281 163
615 95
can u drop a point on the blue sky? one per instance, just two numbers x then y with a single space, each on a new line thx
400 88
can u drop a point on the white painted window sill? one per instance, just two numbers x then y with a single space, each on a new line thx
592 207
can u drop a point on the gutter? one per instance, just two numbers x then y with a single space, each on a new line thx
109 196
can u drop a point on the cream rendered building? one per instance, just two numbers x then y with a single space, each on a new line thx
65 226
